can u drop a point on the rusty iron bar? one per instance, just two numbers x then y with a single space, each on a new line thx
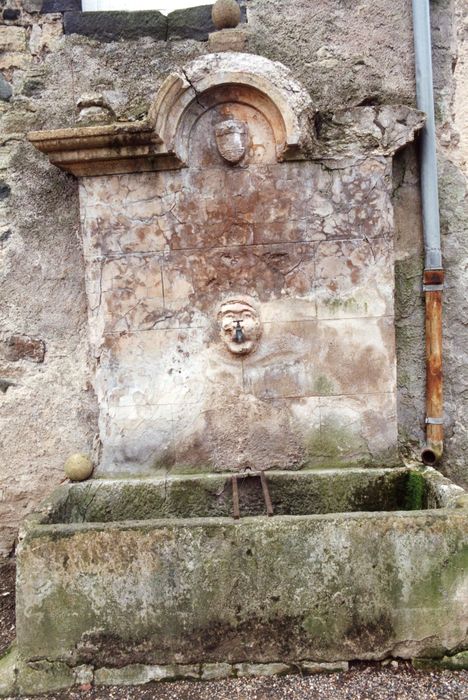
266 494
235 492
235 498
433 284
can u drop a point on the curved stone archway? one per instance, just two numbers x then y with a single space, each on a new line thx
266 86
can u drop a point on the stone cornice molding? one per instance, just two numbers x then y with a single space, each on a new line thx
162 141
105 150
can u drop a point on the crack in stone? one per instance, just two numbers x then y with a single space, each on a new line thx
197 93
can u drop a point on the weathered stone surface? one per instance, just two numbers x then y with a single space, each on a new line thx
46 37
5 384
5 190
12 39
51 402
37 677
32 86
384 129
305 492
22 347
5 89
112 26
32 5
140 674
356 585
349 67
12 60
310 667
228 40
213 672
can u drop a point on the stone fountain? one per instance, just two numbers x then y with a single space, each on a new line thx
239 266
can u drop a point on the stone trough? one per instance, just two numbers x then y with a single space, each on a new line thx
137 580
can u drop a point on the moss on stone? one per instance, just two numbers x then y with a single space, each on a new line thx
8 670
323 386
349 304
457 662
43 677
432 592
415 491
334 445
216 590
302 492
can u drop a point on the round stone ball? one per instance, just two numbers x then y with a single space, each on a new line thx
78 467
226 14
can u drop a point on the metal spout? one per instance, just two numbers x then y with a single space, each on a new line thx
239 336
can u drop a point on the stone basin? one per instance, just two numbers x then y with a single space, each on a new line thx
134 580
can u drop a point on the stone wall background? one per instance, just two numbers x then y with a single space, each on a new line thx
348 53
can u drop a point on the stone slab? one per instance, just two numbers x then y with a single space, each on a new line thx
49 6
190 23
314 251
11 14
113 26
310 668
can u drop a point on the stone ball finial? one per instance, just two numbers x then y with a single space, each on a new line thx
78 467
226 14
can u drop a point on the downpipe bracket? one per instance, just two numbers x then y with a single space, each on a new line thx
433 287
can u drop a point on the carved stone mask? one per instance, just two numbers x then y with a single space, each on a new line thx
231 139
240 327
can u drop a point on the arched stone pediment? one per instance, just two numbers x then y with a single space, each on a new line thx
245 79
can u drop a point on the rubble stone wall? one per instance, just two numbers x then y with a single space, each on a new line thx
345 54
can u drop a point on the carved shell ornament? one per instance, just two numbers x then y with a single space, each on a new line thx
231 139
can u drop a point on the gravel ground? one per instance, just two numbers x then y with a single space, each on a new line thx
362 682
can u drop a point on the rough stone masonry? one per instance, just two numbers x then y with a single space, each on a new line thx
345 55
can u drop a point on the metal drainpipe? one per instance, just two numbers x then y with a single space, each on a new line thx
433 279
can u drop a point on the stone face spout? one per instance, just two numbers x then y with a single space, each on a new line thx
240 325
